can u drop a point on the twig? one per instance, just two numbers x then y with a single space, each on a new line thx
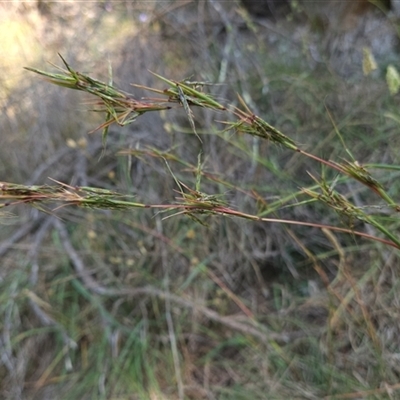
25 229
79 265
258 332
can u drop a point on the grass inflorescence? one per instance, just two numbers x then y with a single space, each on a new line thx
123 109
148 299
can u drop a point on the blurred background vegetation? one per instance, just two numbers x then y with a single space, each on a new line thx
129 305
